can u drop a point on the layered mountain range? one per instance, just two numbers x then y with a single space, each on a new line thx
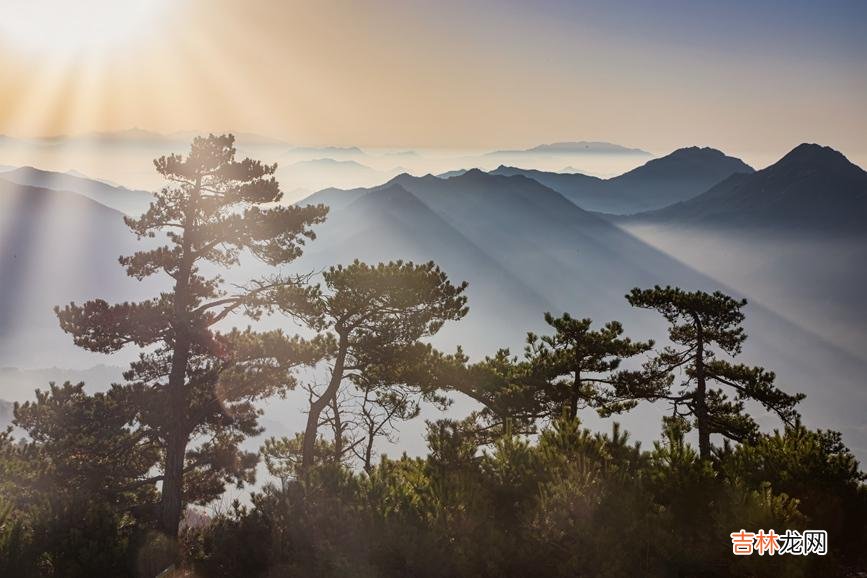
812 188
678 176
131 202
526 245
56 246
792 236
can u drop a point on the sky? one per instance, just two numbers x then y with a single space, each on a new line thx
751 78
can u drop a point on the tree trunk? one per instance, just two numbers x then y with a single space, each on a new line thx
370 422
338 430
368 450
701 415
171 503
177 436
368 456
318 406
575 393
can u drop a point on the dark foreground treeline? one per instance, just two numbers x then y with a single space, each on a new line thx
106 484
573 504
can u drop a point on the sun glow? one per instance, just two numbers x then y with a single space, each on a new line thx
71 26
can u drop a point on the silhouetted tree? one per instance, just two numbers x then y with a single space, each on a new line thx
581 366
375 316
699 323
87 446
194 381
576 367
75 483
392 389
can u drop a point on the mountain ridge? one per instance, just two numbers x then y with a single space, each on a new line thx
574 147
129 201
683 173
66 245
812 187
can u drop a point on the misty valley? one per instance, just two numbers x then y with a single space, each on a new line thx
436 330
451 289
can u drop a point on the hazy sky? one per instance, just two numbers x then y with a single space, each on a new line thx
753 78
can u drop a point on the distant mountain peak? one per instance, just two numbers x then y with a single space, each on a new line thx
392 190
697 151
404 178
399 179
700 161
478 176
576 148
814 154
587 146
450 174
325 150
701 154
134 133
812 188
28 171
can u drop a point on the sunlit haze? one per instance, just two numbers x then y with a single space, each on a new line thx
752 79
433 288
58 28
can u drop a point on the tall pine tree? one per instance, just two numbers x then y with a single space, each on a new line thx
192 381
701 325
373 316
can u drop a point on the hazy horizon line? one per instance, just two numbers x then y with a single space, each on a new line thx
501 148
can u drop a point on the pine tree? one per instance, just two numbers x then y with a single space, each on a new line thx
375 317
193 381
581 366
85 446
392 388
574 368
699 323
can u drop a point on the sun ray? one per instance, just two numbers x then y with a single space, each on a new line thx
59 27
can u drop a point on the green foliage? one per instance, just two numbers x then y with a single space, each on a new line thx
374 317
74 485
15 540
283 456
699 323
581 366
570 503
85 445
194 385
816 468
574 368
